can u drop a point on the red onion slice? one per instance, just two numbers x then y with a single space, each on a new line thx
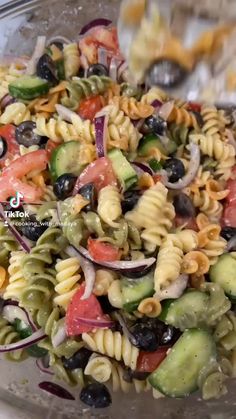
65 113
103 56
60 335
193 168
97 323
13 311
101 124
24 343
142 168
56 390
23 242
87 268
38 52
113 69
120 265
165 110
94 24
5 101
42 368
157 104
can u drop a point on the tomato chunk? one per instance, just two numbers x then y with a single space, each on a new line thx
50 146
89 107
100 173
149 361
103 252
229 216
89 309
36 160
9 186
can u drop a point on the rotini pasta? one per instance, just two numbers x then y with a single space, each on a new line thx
131 107
17 282
103 281
15 113
9 335
212 124
68 278
71 60
150 307
183 117
109 205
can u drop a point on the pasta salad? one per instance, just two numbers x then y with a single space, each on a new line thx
117 231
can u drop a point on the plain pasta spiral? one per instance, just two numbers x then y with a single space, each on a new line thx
109 205
68 277
71 59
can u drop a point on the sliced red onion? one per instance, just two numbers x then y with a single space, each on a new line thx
157 104
165 110
56 390
122 70
175 290
87 268
231 245
12 312
138 123
65 113
42 368
193 168
120 265
38 52
22 241
113 68
97 323
60 335
24 343
103 56
101 124
142 168
94 24
5 101
27 318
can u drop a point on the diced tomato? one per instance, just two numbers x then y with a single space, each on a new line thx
89 107
149 361
7 132
36 160
100 173
50 146
107 37
194 106
103 252
231 185
187 222
229 216
88 309
10 185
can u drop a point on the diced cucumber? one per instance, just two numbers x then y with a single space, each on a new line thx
123 169
25 331
177 375
188 311
224 274
135 290
151 141
60 69
65 159
155 165
28 87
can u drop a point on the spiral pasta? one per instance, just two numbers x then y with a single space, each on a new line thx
214 248
8 75
39 289
112 344
207 205
122 133
131 107
225 331
72 224
218 303
15 113
114 294
178 133
212 124
184 117
67 278
7 244
17 282
169 261
7 336
195 262
150 307
103 280
155 93
109 205
85 87
59 130
211 381
71 59
189 239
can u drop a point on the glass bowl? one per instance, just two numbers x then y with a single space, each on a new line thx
21 22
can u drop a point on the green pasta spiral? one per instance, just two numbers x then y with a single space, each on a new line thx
211 381
178 133
218 303
50 243
81 88
225 331
72 224
39 289
7 244
7 336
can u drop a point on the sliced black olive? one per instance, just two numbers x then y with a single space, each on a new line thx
166 73
95 395
89 192
26 136
130 375
46 69
97 70
78 360
175 169
154 124
184 205
3 147
228 232
168 335
143 337
32 229
130 200
105 304
64 185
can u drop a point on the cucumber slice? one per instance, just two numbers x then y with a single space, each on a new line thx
188 311
177 375
151 141
224 274
123 169
135 290
65 159
28 87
